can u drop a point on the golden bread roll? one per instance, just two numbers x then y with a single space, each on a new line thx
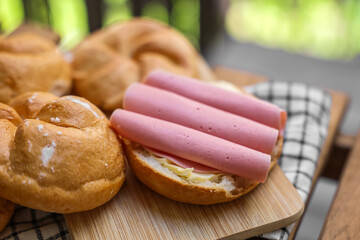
31 63
108 61
62 158
202 189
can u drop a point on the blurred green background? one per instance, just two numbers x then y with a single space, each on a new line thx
326 29
69 18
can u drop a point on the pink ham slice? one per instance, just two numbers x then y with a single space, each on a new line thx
199 168
192 145
174 108
237 103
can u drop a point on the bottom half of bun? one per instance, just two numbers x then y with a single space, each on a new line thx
220 187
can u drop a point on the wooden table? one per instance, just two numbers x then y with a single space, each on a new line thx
339 104
343 219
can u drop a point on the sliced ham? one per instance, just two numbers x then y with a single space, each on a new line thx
191 144
174 108
237 103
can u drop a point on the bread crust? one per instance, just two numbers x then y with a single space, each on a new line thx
27 105
8 113
183 191
65 159
29 62
109 60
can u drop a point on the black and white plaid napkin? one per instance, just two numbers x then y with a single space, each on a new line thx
308 111
34 224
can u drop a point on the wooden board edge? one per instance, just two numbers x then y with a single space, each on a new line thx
268 227
273 225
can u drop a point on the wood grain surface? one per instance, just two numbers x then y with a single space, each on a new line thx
139 213
343 219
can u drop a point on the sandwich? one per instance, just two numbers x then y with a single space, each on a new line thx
196 143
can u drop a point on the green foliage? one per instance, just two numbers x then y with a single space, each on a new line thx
321 28
156 10
69 19
116 11
11 15
186 18
37 11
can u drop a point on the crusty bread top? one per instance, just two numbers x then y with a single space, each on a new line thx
8 113
108 61
29 104
29 62
64 159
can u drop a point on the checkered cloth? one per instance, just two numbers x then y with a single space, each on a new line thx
34 224
308 111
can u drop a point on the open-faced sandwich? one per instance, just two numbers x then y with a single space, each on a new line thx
196 143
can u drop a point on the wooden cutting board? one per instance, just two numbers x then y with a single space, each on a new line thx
139 213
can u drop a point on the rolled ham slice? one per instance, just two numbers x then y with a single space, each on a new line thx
174 108
192 145
237 103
